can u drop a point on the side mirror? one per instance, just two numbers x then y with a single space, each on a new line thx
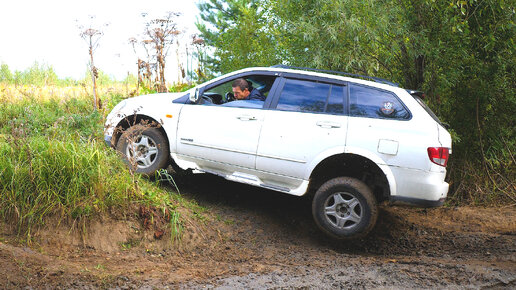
194 98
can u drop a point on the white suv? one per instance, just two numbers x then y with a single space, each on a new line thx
349 142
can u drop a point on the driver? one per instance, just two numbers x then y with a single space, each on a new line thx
243 91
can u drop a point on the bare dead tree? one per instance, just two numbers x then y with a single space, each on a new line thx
200 53
162 32
133 41
151 49
92 37
144 66
180 69
147 66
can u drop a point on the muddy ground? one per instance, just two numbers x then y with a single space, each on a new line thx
255 238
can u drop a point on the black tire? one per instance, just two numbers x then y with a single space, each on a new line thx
345 208
151 147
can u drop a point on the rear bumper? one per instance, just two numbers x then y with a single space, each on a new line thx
419 187
417 202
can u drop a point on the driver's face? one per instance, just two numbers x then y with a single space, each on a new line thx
239 94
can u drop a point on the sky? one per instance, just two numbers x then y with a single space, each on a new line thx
47 31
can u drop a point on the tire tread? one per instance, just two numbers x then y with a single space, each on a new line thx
359 186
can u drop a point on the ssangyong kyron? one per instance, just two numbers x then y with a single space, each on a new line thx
347 141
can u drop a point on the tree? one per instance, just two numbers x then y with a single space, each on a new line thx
143 67
461 53
201 54
161 33
5 73
92 36
239 32
39 74
157 39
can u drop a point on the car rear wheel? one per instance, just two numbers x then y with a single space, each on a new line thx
144 149
345 208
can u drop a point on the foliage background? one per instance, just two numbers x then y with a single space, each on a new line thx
461 53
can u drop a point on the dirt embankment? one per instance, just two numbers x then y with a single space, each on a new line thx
254 238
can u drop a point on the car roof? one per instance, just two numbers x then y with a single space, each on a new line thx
333 72
279 70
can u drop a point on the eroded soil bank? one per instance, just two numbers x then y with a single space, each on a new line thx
254 238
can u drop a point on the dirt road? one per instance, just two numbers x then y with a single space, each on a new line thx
254 238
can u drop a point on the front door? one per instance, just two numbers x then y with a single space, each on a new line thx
221 135
213 136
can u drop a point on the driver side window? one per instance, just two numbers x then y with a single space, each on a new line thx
222 94
218 93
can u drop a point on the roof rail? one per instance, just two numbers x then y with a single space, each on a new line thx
378 80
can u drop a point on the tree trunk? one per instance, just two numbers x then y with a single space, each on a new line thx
97 104
420 71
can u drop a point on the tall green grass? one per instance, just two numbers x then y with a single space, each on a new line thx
54 163
42 176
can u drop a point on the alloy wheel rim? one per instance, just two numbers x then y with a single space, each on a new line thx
343 210
142 152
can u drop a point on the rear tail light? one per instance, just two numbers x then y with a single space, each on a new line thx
439 155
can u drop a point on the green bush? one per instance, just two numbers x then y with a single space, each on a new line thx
460 53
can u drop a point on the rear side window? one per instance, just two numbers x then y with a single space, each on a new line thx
373 103
308 96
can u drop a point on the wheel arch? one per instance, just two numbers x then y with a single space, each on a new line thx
376 175
135 119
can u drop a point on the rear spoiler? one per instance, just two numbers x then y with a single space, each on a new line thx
422 96
417 93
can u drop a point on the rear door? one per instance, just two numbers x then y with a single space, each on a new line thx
380 123
306 119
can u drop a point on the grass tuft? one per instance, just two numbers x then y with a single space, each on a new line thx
55 163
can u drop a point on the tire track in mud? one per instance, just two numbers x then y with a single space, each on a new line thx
255 238
409 247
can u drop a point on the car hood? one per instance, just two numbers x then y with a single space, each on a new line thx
155 97
141 104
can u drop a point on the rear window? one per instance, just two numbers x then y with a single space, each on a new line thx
373 103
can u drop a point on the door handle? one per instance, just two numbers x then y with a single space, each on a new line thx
246 118
327 125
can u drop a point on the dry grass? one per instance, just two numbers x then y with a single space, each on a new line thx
11 92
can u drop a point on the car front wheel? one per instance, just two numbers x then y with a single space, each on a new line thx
345 208
144 149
